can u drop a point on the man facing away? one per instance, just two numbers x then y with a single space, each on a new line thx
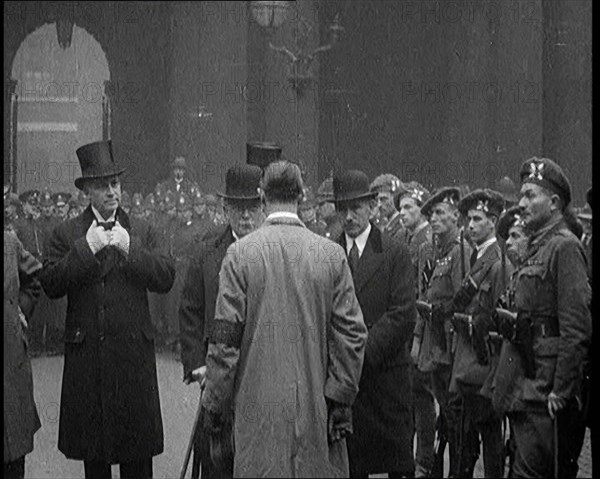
287 346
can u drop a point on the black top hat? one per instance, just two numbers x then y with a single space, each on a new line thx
242 182
96 161
262 153
351 185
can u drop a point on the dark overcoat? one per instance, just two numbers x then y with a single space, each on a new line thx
21 289
382 413
199 296
109 408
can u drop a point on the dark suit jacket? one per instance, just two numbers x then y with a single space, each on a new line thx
382 414
199 296
109 408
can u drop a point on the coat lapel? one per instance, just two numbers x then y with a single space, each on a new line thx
370 261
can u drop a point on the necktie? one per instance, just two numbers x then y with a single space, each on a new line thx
353 258
473 257
107 225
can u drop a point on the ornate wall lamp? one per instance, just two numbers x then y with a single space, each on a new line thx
300 62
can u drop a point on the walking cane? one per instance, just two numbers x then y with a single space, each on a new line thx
188 452
555 421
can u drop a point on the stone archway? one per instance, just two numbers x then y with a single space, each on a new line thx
59 103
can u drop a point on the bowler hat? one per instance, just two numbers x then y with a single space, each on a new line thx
351 185
242 182
262 153
96 161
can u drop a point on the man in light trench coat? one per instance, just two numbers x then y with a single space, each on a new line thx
287 345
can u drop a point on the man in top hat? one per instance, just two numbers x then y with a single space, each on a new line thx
434 334
387 186
326 213
409 201
382 413
109 407
61 203
472 308
199 296
287 332
552 298
262 153
179 181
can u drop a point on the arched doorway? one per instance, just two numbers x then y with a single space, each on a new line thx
59 104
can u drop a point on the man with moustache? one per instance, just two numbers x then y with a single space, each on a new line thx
387 187
109 408
552 297
435 336
385 287
287 343
408 202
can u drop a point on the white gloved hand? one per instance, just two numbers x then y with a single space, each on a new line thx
96 237
120 238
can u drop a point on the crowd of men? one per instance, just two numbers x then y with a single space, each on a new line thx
324 328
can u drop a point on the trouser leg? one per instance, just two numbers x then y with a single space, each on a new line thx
96 470
140 469
15 469
424 420
440 379
490 429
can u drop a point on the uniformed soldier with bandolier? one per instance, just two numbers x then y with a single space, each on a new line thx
553 323
473 306
409 200
387 217
450 266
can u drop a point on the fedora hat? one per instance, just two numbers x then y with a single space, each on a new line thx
96 161
242 182
262 153
351 185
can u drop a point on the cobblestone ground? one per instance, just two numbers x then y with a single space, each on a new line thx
178 403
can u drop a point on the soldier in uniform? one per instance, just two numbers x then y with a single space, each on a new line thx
451 255
326 213
387 216
473 307
137 206
47 220
178 182
74 210
552 329
150 208
408 202
61 203
307 212
11 210
212 204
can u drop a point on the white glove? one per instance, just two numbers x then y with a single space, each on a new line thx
119 237
96 237
198 375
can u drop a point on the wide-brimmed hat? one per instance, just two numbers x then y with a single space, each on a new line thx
96 161
351 185
262 153
242 182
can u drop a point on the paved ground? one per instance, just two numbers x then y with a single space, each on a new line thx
178 403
